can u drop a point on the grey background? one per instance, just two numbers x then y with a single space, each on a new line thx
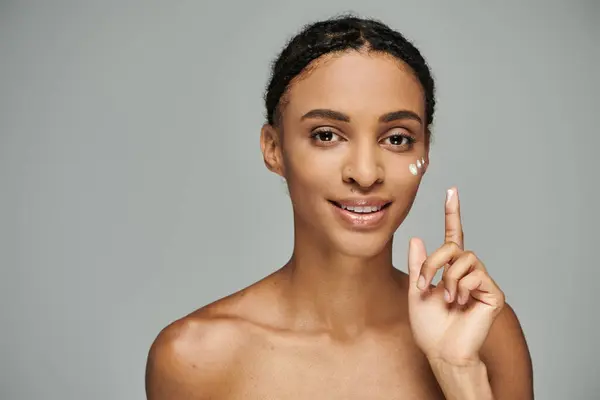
133 190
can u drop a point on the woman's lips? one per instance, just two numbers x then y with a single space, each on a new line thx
361 214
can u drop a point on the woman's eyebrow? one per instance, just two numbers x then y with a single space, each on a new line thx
326 114
399 115
340 116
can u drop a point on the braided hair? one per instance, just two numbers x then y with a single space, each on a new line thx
336 35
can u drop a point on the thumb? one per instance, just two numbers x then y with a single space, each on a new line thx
417 254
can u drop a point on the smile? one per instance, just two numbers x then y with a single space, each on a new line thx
361 213
361 209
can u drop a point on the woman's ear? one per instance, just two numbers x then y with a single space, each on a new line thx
270 145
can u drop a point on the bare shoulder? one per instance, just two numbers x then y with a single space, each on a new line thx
196 356
193 357
507 358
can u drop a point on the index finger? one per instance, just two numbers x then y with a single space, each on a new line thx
454 231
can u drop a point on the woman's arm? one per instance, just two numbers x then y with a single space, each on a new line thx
463 382
504 371
506 356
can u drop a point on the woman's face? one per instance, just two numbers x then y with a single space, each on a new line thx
351 128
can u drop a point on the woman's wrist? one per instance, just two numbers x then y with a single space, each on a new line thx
464 380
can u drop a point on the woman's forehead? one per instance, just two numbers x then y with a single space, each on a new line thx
354 82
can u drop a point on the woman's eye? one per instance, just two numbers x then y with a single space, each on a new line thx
399 140
325 136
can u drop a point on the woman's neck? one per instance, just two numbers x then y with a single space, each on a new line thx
329 291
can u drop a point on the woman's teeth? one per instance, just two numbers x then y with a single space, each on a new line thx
362 210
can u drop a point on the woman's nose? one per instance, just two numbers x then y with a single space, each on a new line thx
363 167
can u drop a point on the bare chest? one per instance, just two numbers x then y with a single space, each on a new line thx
388 369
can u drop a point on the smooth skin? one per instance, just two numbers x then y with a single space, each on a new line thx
338 320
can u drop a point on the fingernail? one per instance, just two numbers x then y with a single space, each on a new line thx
447 295
421 282
449 194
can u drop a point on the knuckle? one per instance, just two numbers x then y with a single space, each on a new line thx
470 256
480 274
427 267
464 285
452 246
453 274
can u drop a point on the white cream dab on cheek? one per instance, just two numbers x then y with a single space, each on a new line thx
414 168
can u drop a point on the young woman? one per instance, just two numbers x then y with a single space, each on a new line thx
349 108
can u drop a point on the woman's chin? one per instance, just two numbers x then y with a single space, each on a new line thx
361 245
